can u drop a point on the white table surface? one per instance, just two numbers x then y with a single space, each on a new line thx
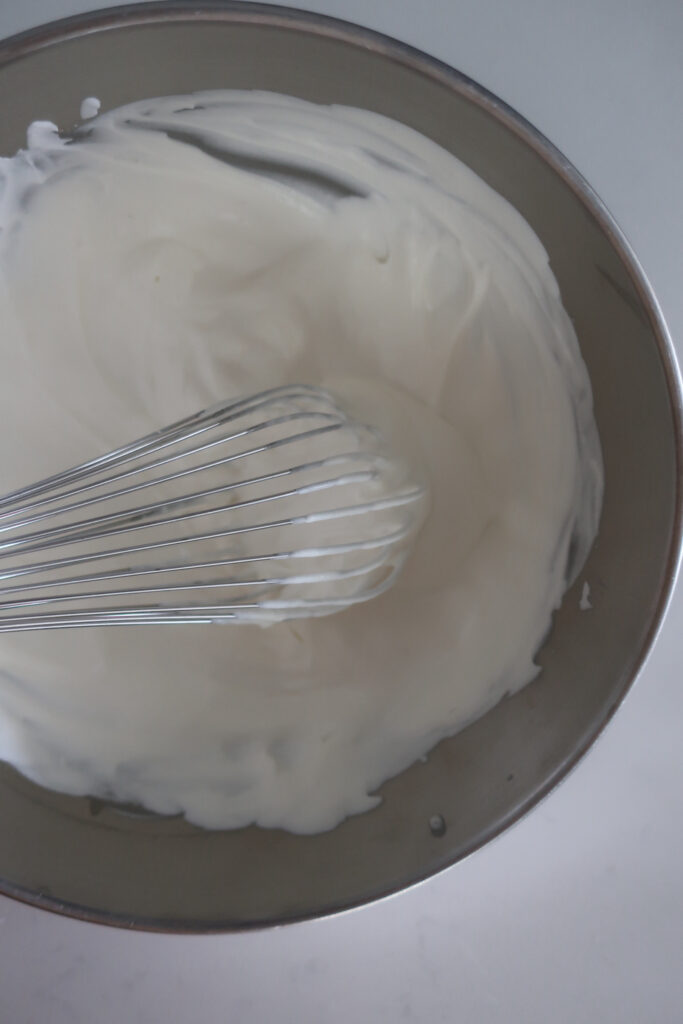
575 915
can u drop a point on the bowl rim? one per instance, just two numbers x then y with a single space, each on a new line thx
247 12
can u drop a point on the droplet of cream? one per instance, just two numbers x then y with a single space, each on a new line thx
90 107
42 135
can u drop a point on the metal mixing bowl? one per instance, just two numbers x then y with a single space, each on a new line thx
92 860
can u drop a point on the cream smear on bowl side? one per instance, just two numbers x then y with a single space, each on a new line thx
179 251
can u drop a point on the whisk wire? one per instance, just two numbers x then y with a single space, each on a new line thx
351 512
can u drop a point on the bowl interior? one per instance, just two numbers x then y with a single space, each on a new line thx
84 857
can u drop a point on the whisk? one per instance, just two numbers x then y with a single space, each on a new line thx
278 505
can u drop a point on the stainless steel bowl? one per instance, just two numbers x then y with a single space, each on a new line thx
92 860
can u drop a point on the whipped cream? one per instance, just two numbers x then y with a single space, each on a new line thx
180 251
